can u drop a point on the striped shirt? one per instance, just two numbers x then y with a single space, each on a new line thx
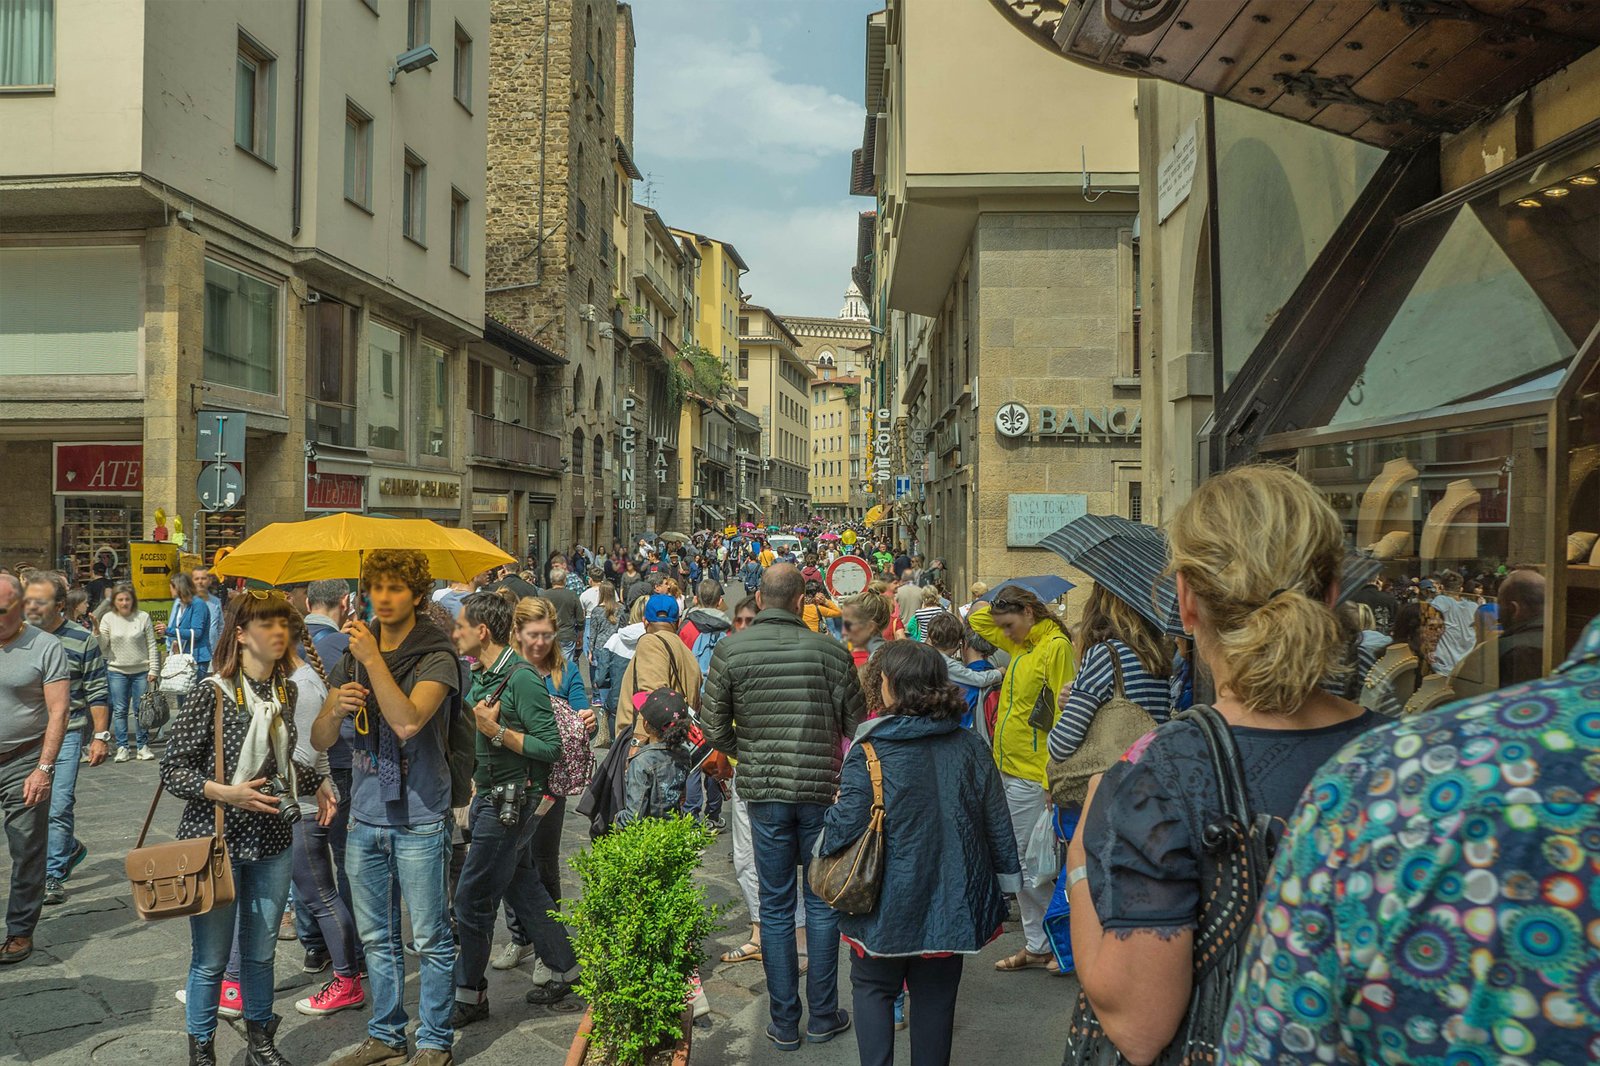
86 672
926 615
1095 683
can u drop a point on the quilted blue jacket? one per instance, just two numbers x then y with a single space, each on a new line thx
949 849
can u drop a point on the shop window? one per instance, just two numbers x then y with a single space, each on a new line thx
433 401
1463 508
241 330
385 388
28 60
1577 599
331 374
254 98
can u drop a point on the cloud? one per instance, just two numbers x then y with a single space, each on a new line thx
721 100
800 258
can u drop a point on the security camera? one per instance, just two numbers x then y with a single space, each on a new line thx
313 296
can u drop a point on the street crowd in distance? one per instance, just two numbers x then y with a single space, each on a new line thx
1269 832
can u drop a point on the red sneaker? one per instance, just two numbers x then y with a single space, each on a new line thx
231 1003
341 993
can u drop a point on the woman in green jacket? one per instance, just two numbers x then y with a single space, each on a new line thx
1041 669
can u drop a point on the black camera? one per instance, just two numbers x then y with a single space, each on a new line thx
507 802
288 806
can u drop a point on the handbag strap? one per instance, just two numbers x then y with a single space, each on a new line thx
875 771
216 733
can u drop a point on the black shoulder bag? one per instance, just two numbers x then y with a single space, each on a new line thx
1236 858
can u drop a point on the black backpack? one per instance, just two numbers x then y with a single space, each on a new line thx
460 740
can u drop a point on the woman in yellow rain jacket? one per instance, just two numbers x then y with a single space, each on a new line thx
1042 665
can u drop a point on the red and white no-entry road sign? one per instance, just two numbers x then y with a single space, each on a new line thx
848 576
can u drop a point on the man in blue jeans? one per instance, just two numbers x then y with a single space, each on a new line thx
90 699
781 700
398 682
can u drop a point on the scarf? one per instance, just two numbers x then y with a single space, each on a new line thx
265 735
424 639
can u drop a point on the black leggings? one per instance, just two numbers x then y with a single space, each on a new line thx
542 859
933 984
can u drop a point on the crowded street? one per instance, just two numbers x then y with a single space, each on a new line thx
882 532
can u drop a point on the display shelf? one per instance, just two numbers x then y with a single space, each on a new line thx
220 529
88 523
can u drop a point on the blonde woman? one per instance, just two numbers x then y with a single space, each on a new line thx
1257 554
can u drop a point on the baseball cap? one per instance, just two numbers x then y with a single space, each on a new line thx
661 608
1428 584
663 707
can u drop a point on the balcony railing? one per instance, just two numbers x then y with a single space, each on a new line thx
511 443
652 278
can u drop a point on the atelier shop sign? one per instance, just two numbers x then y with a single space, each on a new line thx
1083 423
436 490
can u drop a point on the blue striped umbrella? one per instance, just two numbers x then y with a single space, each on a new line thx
1125 558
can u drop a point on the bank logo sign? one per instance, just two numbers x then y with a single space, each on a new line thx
1081 423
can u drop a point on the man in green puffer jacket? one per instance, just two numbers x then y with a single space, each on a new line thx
781 700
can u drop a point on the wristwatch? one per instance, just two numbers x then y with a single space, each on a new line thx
104 736
1074 875
49 768
499 739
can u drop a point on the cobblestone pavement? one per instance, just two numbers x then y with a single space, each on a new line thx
99 988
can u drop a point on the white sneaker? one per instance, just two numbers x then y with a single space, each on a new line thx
145 754
511 956
542 974
122 755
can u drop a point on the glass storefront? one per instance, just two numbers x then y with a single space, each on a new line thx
1462 448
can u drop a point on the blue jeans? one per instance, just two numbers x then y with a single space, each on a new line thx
126 692
783 835
387 864
703 792
605 673
260 888
63 842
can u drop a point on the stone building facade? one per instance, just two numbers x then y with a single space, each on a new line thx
838 350
554 124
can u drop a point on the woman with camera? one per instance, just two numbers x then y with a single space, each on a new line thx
252 696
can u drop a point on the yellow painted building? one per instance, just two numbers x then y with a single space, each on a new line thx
774 384
715 319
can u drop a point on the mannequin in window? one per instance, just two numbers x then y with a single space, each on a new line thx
1386 507
1451 531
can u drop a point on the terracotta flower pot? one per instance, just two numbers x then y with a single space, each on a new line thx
578 1053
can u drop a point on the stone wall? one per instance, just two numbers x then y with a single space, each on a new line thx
1046 324
552 127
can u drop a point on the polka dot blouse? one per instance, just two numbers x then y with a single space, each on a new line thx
190 761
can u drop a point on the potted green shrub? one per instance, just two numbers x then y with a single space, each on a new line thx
637 930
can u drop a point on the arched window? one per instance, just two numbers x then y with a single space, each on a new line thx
825 359
577 387
599 454
577 452
599 397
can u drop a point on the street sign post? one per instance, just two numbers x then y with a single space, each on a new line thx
221 487
849 575
219 436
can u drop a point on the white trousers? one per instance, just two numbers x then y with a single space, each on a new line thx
1027 800
744 861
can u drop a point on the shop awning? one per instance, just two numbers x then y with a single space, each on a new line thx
714 514
751 505
1392 75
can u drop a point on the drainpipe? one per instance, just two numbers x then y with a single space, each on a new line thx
1217 449
299 108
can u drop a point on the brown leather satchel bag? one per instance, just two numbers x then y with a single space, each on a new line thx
182 877
850 879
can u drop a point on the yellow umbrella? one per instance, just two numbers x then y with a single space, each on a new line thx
333 547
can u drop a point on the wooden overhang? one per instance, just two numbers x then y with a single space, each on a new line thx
1390 73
